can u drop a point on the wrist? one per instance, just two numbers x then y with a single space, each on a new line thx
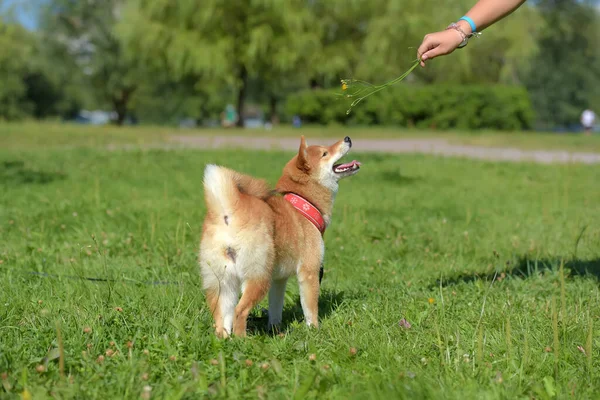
464 26
461 36
469 21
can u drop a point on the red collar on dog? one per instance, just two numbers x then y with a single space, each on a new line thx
307 209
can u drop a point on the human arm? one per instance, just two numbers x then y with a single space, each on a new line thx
484 13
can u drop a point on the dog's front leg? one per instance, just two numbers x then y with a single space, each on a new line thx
308 278
276 300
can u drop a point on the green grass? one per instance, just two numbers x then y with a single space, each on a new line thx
406 229
29 135
47 135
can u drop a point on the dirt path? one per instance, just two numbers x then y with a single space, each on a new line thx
422 146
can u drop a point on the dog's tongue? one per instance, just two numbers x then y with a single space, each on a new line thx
344 167
349 165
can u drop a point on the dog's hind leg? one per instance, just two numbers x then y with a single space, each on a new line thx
254 292
276 300
222 306
212 298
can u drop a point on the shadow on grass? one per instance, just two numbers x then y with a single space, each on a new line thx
526 267
329 301
396 177
16 173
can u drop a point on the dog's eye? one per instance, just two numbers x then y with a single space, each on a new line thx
325 154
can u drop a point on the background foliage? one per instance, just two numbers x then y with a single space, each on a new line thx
432 106
160 61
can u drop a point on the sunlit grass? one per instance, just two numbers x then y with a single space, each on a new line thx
443 279
47 135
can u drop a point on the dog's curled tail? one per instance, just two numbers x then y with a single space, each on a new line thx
223 188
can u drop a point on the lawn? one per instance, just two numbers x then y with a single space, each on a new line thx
444 278
47 135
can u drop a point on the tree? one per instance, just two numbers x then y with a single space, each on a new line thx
565 76
85 31
54 81
226 41
342 27
164 100
17 47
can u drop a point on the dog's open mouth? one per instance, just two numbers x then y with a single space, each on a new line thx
347 167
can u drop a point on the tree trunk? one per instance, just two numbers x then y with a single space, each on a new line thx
273 110
121 114
241 98
120 105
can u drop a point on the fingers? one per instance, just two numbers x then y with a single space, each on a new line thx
433 53
428 44
437 44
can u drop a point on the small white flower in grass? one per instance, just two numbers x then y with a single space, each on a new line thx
146 392
75 214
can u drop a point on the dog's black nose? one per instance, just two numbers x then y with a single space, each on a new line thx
348 140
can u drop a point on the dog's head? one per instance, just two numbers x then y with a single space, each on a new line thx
320 165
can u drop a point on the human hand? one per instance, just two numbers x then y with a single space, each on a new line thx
438 44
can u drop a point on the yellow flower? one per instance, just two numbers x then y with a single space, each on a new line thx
431 300
26 395
344 86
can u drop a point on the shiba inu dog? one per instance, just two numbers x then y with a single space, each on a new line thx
255 238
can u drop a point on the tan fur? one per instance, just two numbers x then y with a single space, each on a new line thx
252 237
254 292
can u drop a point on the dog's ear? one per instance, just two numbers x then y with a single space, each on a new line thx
302 160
